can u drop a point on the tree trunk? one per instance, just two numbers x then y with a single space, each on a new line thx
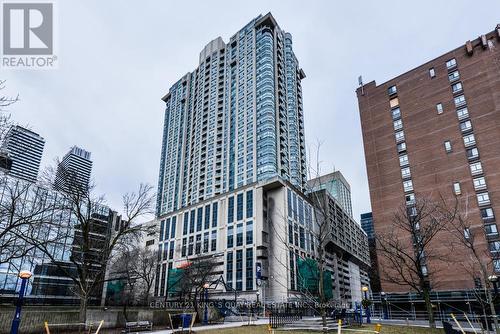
428 307
82 317
492 310
321 294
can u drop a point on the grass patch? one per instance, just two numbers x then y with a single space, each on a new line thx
386 329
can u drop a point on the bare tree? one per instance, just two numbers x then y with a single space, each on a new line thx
5 102
478 262
25 218
407 246
95 236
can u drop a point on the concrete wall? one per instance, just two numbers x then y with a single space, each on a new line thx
33 317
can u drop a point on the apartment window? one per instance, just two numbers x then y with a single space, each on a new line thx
476 168
401 147
459 101
396 113
239 235
495 246
465 126
457 87
230 236
408 185
469 140
462 113
483 198
405 172
432 72
496 265
439 108
403 160
479 183
487 215
472 153
400 136
452 76
394 102
456 188
249 210
392 90
491 230
213 241
398 124
466 233
410 199
447 146
249 233
451 63
424 270
239 207
230 209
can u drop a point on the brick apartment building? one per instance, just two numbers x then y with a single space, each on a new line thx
435 131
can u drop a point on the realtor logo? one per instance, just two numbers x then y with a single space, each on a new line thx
28 35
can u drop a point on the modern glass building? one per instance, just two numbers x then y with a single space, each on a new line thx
76 166
235 120
337 186
24 148
367 224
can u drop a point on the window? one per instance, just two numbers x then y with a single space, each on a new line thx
249 269
184 241
403 160
396 113
465 126
479 183
432 72
496 265
447 146
469 140
456 188
487 215
401 147
462 113
491 229
150 242
239 207
495 246
392 90
191 221
190 245
456 87
198 244
214 214
410 199
400 136
459 101
249 233
452 76
213 241
476 168
230 236
249 204
405 172
466 233
472 153
239 270
394 102
408 185
439 108
199 219
451 63
483 198
205 242
424 270
230 209
186 223
229 269
398 125
239 235
207 216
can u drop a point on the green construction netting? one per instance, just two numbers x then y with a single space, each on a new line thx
174 280
308 278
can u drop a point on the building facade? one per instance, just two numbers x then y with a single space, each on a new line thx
367 224
235 120
24 150
76 167
434 132
337 186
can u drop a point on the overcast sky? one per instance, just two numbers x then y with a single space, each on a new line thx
118 58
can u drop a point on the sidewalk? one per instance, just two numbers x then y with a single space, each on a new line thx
218 326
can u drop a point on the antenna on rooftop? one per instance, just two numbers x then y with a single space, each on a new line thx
360 82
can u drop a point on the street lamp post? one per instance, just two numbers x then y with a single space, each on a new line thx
494 280
384 304
24 276
258 306
205 313
367 308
